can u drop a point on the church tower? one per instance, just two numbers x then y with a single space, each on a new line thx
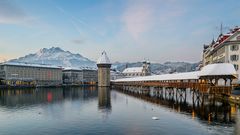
146 68
104 66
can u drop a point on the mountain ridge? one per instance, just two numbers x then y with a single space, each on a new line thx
58 57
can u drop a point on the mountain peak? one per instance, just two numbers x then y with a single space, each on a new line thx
52 49
56 49
56 56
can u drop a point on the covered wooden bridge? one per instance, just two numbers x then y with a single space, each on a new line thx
212 79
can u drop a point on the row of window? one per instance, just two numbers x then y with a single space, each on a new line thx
44 76
234 47
234 57
135 74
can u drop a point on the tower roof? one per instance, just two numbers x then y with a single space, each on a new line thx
103 59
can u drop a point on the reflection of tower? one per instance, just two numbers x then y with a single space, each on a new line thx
104 66
104 99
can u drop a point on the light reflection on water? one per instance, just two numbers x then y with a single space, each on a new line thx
88 110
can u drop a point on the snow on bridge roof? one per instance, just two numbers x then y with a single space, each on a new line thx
209 70
177 76
219 69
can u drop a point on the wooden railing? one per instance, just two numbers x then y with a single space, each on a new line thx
201 87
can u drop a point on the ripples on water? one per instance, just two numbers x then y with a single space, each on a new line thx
86 110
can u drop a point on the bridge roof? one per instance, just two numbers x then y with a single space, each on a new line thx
220 69
223 69
177 76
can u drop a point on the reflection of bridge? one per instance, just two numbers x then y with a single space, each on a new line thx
210 108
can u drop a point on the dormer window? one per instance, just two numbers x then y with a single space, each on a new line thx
238 37
234 47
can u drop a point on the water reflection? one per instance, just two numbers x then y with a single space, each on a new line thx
27 97
93 110
104 99
209 109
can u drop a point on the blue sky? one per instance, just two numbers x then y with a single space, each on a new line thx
129 30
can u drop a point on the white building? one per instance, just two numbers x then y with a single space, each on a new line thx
18 74
82 75
116 75
225 50
138 71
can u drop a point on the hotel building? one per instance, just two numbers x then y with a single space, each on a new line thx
24 74
226 49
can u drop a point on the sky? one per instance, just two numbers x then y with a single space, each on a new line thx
128 30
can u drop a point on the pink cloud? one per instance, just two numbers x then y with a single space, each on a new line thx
138 18
142 16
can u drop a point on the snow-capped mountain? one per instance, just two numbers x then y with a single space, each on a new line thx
56 56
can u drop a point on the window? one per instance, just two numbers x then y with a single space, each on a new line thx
234 57
238 37
236 66
234 47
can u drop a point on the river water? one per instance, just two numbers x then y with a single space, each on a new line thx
89 110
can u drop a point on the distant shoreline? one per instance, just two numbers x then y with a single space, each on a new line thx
2 87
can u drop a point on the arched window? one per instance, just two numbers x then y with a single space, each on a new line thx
236 66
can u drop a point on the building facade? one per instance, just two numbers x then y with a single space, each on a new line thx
138 71
116 74
15 74
80 76
226 49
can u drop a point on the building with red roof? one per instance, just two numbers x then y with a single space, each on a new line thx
226 49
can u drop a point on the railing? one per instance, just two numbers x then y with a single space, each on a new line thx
200 87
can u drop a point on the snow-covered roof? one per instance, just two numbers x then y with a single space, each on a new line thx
133 70
103 59
209 70
80 68
218 69
29 65
177 76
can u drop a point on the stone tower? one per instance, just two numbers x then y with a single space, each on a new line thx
104 66
146 68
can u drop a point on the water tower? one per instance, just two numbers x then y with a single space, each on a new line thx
104 66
